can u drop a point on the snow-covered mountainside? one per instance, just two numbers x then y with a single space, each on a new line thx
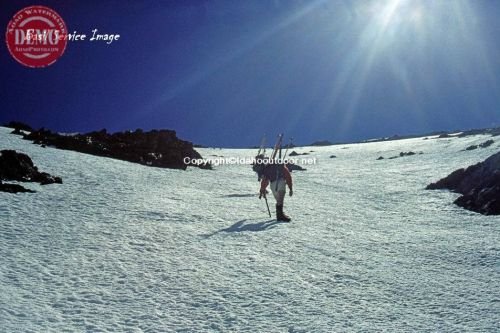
122 247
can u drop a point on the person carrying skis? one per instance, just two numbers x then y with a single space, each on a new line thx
279 177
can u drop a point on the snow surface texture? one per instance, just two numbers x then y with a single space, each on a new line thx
126 248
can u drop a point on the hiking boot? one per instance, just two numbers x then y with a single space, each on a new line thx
280 216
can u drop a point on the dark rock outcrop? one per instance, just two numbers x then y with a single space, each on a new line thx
14 188
19 126
410 153
19 167
157 148
294 153
333 156
401 154
486 143
472 147
479 184
485 131
295 167
17 132
16 166
321 143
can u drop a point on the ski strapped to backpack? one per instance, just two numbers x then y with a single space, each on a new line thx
277 147
262 147
288 147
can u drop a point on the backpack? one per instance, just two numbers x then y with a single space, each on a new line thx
271 171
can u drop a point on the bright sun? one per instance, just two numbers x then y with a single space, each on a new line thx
396 12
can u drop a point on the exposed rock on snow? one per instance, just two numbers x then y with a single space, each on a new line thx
479 184
19 126
486 131
321 143
473 147
292 167
485 144
158 148
19 167
13 188
401 154
294 153
410 153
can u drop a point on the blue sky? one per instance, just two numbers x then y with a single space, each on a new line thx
224 73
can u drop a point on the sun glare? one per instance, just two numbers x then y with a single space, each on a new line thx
394 13
389 12
407 38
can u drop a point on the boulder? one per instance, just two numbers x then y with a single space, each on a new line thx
19 167
479 185
16 166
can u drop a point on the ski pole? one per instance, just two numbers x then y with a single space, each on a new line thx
267 204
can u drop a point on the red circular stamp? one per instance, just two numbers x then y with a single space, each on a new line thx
36 36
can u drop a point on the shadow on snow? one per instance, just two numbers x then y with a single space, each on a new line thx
249 195
241 226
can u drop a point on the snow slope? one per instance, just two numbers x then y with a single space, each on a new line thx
121 247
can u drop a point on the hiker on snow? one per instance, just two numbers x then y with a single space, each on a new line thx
279 176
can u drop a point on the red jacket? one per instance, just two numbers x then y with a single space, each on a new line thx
286 174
